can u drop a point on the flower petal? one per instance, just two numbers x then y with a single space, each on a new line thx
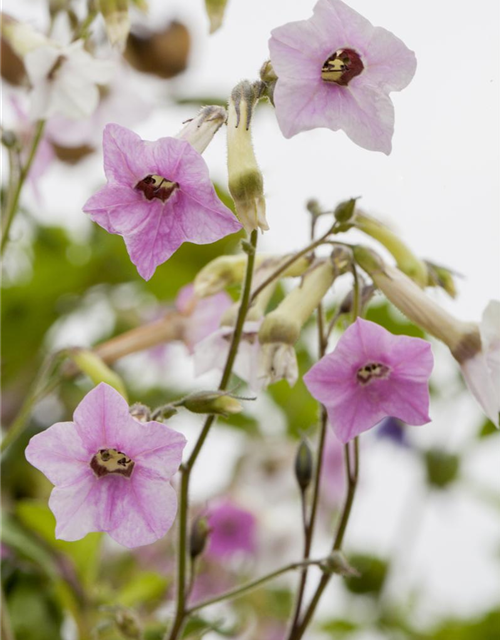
390 64
58 453
353 415
79 508
118 209
144 511
154 446
100 416
483 386
126 157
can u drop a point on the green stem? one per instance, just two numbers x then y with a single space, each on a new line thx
14 203
352 480
186 469
249 586
288 263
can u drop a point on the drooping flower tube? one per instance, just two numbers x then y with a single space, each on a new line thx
158 195
336 70
372 374
111 472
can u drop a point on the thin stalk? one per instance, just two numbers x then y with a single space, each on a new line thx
352 480
249 586
14 203
289 262
181 610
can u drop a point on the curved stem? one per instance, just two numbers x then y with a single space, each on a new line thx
352 471
289 262
14 203
181 610
249 586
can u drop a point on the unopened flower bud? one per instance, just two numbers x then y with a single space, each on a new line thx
269 78
200 130
371 576
406 260
90 363
116 20
200 532
337 563
128 624
213 402
9 139
140 412
345 210
442 468
304 465
246 184
462 338
285 322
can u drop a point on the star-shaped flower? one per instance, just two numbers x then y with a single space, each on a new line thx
158 195
372 374
336 70
111 472
232 530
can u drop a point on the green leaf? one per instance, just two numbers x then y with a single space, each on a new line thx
393 320
487 429
33 612
142 588
26 546
84 553
338 628
373 572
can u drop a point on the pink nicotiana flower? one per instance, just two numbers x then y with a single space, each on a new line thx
482 371
111 472
158 195
336 70
232 530
333 481
211 353
372 374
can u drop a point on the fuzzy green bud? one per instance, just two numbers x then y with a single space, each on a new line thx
200 130
345 210
246 184
337 563
116 20
213 402
90 363
406 260
304 465
284 324
199 535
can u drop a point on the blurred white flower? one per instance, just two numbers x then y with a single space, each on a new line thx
64 80
482 371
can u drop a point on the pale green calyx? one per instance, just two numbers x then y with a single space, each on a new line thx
246 184
97 370
116 21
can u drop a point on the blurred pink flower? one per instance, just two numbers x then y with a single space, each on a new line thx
336 70
111 472
372 374
333 472
211 353
232 530
158 195
204 314
482 371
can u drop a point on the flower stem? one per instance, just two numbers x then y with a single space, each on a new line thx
249 586
182 611
352 472
288 263
14 203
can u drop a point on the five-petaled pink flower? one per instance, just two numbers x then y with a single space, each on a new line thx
372 374
111 472
158 195
232 530
336 70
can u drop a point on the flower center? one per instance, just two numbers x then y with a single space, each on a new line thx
111 461
342 66
154 186
372 371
